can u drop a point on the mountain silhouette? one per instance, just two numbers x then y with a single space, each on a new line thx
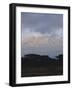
38 65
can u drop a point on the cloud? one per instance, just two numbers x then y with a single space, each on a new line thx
42 23
37 40
41 34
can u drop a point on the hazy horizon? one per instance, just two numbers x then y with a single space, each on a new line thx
41 34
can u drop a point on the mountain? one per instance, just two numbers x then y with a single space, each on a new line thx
34 63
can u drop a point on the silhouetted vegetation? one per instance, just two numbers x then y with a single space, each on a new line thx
41 65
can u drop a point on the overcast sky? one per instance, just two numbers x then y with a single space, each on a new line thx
41 34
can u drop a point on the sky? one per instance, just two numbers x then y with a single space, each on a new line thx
41 33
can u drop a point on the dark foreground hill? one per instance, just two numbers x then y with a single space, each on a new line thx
41 65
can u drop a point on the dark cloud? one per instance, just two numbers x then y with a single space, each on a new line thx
43 23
